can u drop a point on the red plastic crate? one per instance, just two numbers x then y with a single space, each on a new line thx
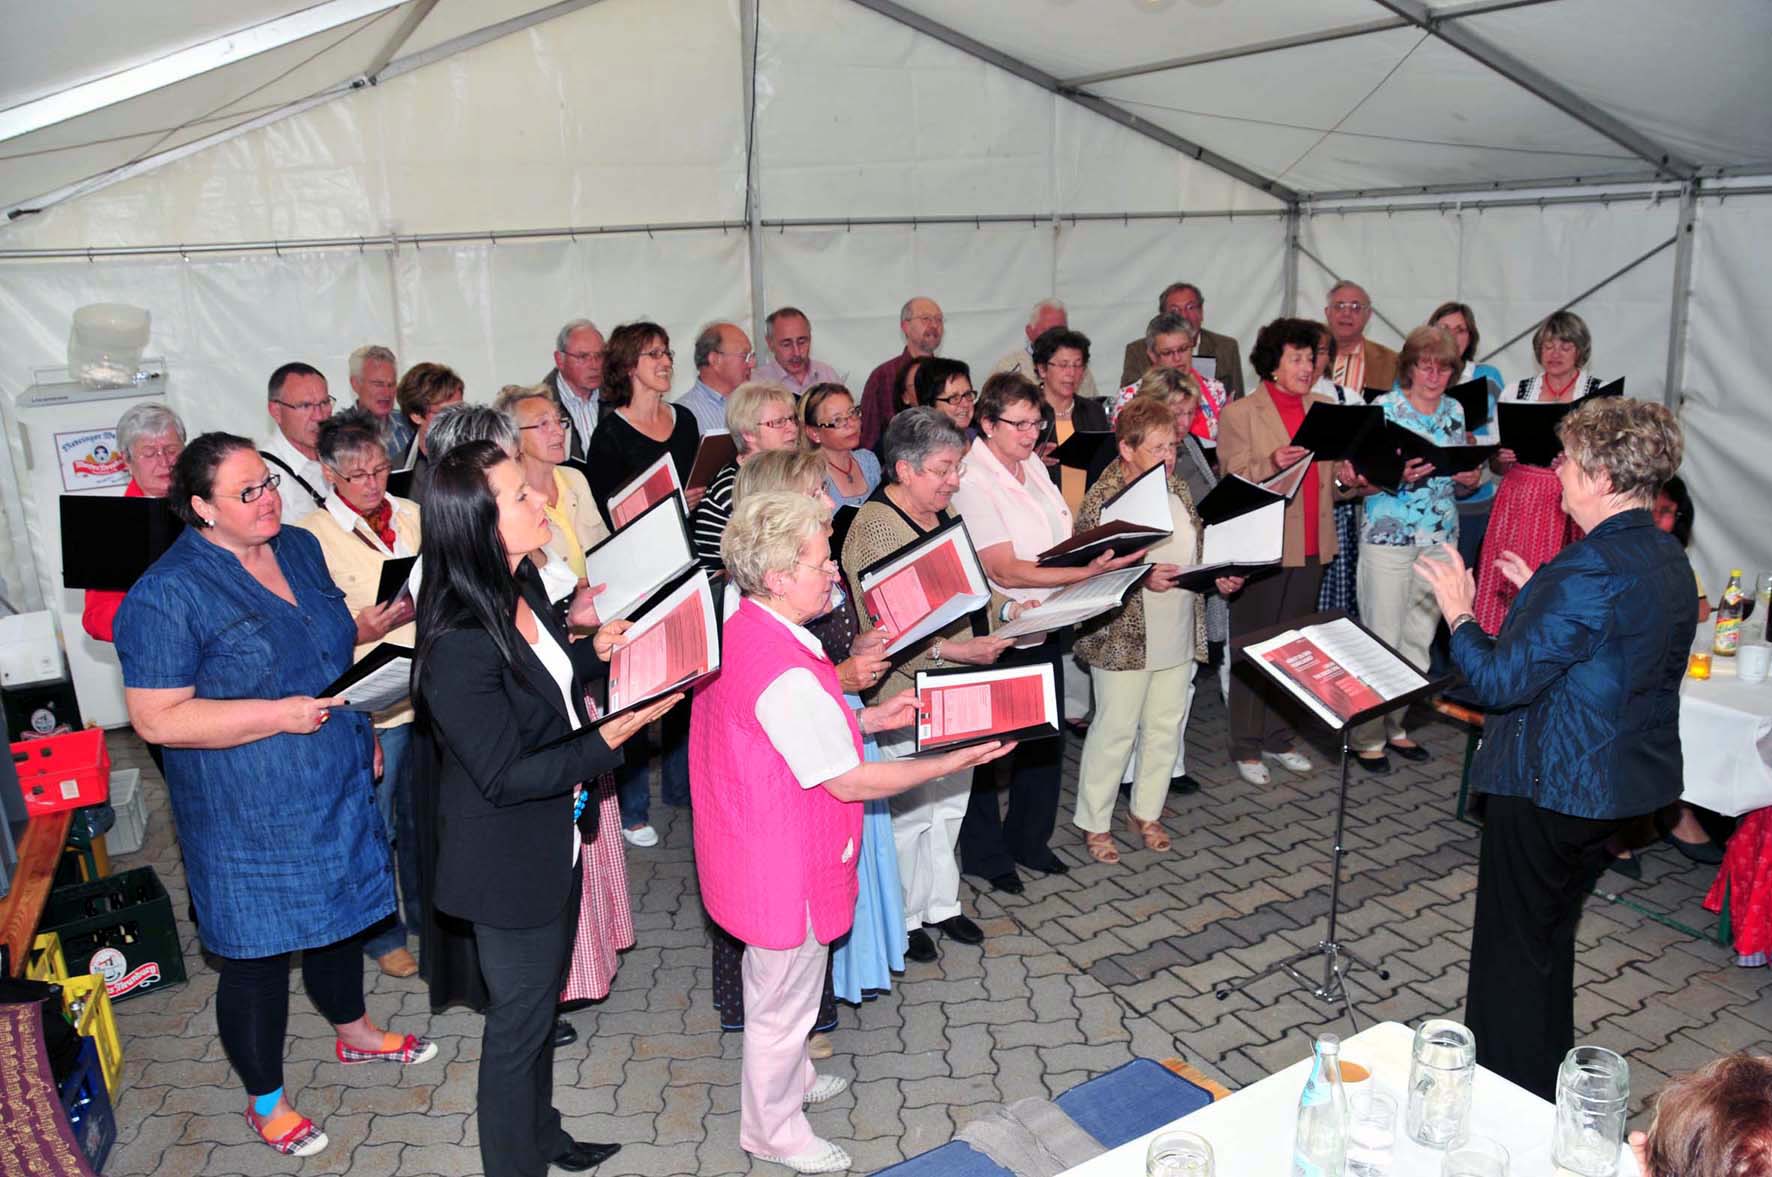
63 772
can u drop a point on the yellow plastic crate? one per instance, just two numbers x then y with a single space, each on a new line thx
97 1022
46 962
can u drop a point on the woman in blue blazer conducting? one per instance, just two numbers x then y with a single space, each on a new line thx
1582 686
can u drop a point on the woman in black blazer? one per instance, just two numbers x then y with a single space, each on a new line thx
502 688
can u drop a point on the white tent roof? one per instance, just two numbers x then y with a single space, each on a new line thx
1305 98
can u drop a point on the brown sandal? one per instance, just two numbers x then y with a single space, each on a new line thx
1101 847
1155 837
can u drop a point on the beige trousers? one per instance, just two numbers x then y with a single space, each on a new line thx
1399 607
1146 706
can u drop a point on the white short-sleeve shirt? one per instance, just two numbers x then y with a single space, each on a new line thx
805 724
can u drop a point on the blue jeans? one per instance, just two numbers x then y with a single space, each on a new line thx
633 782
393 800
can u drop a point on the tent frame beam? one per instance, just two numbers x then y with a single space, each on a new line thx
397 42
1673 390
749 34
1296 41
1113 112
185 64
1543 86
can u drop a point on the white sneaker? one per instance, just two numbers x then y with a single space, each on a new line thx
1296 762
644 836
1253 771
826 1087
823 1157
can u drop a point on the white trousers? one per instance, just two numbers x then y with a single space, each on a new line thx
1131 772
925 829
1148 707
1399 607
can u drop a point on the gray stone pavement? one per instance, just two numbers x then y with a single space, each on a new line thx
1078 975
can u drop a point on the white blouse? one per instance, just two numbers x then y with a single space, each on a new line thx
558 663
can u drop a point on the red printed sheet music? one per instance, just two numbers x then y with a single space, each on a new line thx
923 587
653 485
672 644
970 707
1337 669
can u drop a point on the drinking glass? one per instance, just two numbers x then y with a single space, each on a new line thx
1178 1154
1372 1134
1698 665
1475 1156
1442 1068
1593 1094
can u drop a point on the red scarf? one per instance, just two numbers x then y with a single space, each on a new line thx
380 520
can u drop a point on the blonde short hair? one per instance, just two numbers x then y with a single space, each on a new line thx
1636 444
765 534
1427 343
746 405
799 472
1167 385
512 395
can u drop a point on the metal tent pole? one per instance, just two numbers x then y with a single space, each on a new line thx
1685 238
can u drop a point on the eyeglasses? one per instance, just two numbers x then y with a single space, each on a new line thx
828 568
776 423
840 420
369 476
1035 426
943 473
1174 354
561 423
1426 365
965 398
585 357
149 453
1162 451
658 353
323 406
253 493
1067 365
1348 306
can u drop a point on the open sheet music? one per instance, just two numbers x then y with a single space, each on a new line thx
1075 602
960 707
716 452
652 485
1335 668
1135 518
924 587
670 646
380 679
642 558
1245 526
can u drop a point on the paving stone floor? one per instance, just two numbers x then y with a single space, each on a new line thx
1077 976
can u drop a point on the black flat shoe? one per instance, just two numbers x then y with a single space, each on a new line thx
920 947
583 1155
1703 853
1414 755
1379 765
564 1033
1630 868
1183 785
958 927
1009 883
1053 866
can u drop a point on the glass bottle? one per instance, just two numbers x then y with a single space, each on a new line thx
1319 1144
1730 611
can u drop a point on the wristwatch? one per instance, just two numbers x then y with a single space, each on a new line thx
1460 620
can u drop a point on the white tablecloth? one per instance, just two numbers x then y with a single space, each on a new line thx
1251 1130
1726 738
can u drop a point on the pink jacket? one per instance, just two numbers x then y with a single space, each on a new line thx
769 852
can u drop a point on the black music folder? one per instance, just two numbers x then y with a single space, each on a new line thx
1529 428
1446 459
107 542
1473 397
1082 449
1332 433
395 572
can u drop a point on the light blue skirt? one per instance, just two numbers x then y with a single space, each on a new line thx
862 962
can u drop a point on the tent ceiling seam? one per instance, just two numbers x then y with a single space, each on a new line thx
1541 85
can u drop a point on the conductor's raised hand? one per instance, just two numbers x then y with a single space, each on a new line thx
610 638
1454 588
1513 566
617 731
889 714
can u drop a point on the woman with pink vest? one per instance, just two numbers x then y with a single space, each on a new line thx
777 783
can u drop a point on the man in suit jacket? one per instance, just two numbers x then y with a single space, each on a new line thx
1047 314
1359 363
577 381
1185 299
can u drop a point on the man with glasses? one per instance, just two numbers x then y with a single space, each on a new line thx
922 324
375 374
298 402
1359 363
788 332
577 381
1223 354
723 361
1047 314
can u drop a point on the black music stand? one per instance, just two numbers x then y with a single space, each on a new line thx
1337 957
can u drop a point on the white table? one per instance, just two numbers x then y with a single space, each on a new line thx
1726 738
1251 1130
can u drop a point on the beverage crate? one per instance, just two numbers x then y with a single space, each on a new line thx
88 1105
121 928
131 805
44 960
63 772
88 1006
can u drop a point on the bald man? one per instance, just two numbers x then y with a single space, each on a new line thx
921 323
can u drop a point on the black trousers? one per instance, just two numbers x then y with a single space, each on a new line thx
992 843
1535 871
1256 725
525 969
252 1005
728 951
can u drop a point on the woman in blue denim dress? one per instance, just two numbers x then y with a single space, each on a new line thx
224 642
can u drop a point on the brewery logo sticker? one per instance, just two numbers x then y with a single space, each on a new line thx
113 966
90 460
